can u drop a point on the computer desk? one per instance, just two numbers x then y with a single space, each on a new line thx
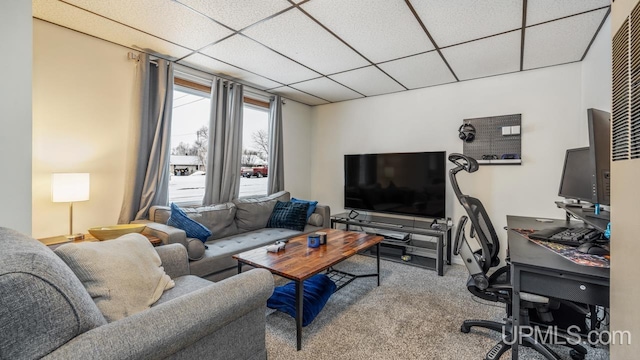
538 270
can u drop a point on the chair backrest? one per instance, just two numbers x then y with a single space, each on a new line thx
481 227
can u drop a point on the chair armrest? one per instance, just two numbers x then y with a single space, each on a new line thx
325 211
169 327
174 260
168 234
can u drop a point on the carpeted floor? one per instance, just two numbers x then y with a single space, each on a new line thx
414 314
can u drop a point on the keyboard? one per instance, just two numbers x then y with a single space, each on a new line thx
566 236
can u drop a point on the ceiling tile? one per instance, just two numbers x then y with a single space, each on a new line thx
544 10
560 41
419 70
327 89
491 56
249 55
299 96
368 81
380 30
80 20
170 21
302 39
237 14
452 22
209 65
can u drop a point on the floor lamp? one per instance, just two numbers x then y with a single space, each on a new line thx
70 187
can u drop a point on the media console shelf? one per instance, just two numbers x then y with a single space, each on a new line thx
413 251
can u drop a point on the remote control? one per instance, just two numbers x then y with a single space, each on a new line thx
279 245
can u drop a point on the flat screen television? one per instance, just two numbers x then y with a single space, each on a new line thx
396 183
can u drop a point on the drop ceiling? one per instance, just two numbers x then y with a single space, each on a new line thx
323 51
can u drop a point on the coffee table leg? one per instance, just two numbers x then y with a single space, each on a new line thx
378 261
239 267
299 298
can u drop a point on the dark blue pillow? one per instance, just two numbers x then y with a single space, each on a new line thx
312 205
180 220
317 290
289 215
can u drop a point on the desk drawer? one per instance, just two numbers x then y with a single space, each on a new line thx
565 288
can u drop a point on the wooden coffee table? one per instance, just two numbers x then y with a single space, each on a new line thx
299 262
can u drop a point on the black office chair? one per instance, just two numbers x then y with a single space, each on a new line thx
496 286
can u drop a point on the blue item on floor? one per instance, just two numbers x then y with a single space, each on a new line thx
317 290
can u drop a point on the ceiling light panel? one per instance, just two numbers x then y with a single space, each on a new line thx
560 41
327 89
380 30
544 10
237 14
299 96
419 70
452 22
170 21
368 81
249 55
80 20
491 56
302 39
209 65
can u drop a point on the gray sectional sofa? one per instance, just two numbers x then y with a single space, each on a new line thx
47 313
236 226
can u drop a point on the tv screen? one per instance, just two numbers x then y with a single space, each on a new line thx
576 175
399 183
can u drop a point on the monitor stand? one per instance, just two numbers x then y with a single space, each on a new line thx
604 215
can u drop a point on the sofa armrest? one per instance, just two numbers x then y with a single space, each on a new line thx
177 324
168 234
174 260
325 211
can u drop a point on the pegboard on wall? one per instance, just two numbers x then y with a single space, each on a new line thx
495 136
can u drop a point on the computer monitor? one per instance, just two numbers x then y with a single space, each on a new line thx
600 155
576 175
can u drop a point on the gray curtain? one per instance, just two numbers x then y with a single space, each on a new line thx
275 182
222 180
147 173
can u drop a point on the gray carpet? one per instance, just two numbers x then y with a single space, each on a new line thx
414 314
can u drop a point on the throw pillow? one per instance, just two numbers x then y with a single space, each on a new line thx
316 220
180 220
124 276
317 290
288 215
312 205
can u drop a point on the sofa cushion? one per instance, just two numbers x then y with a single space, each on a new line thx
289 215
43 305
192 228
218 255
219 218
312 205
315 220
124 276
195 249
254 213
184 285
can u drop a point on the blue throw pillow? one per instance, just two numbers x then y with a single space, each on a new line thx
180 220
312 205
289 215
317 290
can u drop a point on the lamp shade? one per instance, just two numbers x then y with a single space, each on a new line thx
70 187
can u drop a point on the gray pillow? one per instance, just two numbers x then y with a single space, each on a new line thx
316 220
254 213
195 249
124 276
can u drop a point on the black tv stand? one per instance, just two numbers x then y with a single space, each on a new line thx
412 250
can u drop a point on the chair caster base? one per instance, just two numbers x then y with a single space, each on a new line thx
575 355
465 329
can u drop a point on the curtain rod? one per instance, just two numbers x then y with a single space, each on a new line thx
132 56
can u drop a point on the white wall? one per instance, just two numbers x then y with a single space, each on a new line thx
82 108
427 120
84 103
15 121
596 74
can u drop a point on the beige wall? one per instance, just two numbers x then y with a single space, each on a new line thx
84 102
82 108
15 119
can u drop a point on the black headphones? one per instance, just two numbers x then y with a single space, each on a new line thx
467 132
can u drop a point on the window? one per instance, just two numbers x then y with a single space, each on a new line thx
190 140
255 150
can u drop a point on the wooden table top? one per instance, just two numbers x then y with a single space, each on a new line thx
59 240
300 262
